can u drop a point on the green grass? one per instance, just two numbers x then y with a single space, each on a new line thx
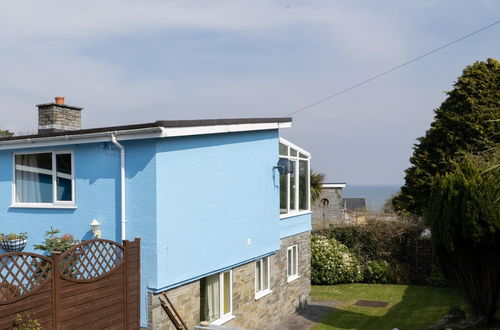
410 307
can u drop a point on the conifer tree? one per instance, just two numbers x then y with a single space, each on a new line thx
466 122
464 214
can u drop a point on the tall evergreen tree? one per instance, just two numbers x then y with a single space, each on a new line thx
466 122
464 213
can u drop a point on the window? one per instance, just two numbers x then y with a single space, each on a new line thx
292 265
294 187
262 277
216 298
44 179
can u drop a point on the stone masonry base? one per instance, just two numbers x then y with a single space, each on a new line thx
263 313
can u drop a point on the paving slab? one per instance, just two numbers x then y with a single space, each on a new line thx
309 316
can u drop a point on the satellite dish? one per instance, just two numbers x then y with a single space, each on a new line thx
285 166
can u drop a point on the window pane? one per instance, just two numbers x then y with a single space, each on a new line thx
289 262
293 187
265 273
294 260
64 177
258 272
33 178
303 184
227 292
293 152
210 298
301 155
283 193
283 150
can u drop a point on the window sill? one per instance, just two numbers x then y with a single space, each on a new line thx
263 293
42 206
294 214
224 319
292 278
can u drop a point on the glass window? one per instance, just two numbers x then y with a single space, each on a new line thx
292 269
262 277
283 150
43 178
215 296
303 185
294 186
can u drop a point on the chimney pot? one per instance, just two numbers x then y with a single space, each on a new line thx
59 100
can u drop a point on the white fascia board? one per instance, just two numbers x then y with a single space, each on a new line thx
135 134
334 185
294 146
200 130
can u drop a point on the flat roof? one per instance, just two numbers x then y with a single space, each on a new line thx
158 123
157 129
335 185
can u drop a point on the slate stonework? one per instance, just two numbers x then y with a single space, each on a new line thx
263 313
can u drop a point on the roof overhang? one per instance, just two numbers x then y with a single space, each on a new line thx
161 130
334 185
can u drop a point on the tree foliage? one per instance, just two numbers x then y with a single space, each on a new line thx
466 122
464 213
5 132
316 185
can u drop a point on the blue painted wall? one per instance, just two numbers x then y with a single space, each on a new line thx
215 193
295 225
97 175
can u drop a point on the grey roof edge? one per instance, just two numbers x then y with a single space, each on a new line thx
59 105
159 123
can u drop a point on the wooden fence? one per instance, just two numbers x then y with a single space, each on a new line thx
92 285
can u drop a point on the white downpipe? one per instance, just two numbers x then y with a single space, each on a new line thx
122 185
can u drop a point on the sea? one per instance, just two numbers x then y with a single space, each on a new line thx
374 195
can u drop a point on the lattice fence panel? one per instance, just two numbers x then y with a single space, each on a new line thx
91 260
21 273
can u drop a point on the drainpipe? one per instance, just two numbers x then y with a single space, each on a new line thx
122 185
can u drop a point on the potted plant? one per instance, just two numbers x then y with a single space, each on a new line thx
13 242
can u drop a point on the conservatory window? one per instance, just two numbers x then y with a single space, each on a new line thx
44 179
294 186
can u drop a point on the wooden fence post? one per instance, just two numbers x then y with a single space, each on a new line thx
55 288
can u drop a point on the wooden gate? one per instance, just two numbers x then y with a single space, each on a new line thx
92 285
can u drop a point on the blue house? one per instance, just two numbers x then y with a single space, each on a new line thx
224 230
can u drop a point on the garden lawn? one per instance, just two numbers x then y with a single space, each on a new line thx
410 307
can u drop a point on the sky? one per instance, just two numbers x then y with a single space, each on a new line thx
131 62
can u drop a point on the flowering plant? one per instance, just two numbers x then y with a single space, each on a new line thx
56 243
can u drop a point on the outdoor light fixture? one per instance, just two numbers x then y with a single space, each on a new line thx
285 166
94 225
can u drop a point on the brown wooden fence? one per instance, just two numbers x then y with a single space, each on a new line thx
92 285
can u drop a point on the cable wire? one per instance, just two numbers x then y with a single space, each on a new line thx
392 69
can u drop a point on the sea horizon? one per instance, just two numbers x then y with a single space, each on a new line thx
375 195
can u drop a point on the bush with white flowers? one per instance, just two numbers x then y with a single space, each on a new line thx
333 263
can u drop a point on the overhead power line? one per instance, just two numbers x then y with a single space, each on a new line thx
391 70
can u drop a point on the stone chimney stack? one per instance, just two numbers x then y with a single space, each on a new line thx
58 117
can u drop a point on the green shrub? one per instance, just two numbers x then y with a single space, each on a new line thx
332 262
377 271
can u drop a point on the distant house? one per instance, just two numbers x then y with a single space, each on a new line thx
332 209
354 210
353 204
328 208
224 230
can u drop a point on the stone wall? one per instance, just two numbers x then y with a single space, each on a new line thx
325 215
263 313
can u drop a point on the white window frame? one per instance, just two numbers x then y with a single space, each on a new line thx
55 203
294 210
292 274
228 316
261 292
